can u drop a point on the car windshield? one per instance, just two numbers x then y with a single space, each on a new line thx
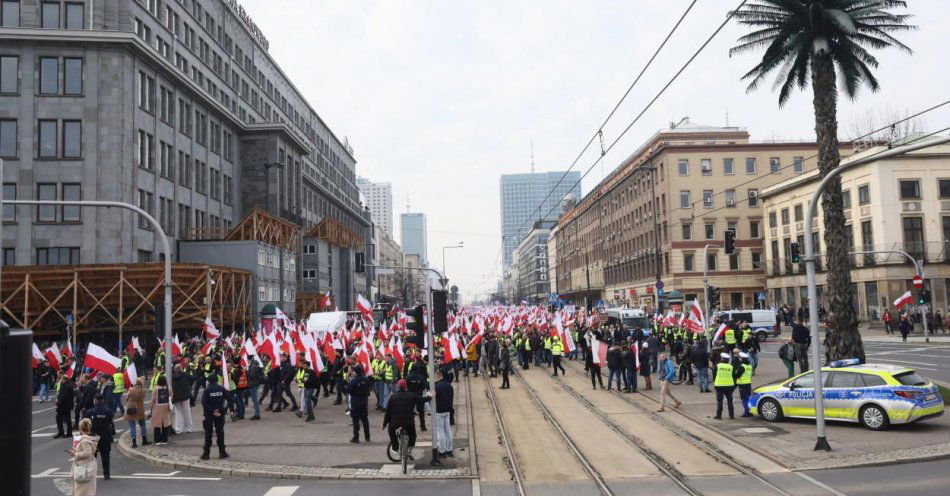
636 322
910 379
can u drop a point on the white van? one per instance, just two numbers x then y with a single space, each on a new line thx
762 322
630 318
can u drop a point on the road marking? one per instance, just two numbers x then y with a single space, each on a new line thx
281 491
147 474
43 434
476 487
820 484
906 361
47 472
43 428
54 475
44 410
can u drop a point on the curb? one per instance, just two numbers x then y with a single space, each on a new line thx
161 457
827 463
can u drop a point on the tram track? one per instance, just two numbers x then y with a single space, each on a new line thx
513 465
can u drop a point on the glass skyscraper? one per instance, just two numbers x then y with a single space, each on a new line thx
521 196
412 227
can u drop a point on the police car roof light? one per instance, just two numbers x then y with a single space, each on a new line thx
844 363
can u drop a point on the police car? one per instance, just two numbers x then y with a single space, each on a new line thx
874 395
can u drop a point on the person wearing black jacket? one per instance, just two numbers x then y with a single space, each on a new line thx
102 426
181 399
614 366
311 392
801 339
444 400
358 388
505 365
417 383
65 401
255 376
287 374
400 412
699 355
216 403
86 395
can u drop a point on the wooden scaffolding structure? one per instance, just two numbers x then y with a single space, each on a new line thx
259 225
105 297
335 233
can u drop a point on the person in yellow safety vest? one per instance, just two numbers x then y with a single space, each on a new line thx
389 379
730 338
547 350
557 349
724 380
744 382
301 378
118 389
376 366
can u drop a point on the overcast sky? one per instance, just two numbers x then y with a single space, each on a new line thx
442 97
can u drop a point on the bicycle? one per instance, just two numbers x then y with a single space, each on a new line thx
400 453
683 371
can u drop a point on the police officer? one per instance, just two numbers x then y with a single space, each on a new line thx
724 380
216 403
102 426
744 381
557 350
358 388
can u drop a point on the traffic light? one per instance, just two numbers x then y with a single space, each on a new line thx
439 311
713 297
796 254
360 262
730 241
416 323
923 297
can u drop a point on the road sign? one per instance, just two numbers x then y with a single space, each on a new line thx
659 285
760 296
918 282
69 319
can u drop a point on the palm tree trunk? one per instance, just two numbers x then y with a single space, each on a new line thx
843 339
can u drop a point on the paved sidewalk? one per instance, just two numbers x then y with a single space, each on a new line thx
791 442
281 445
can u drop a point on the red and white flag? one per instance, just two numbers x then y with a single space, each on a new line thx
599 349
71 371
225 377
696 322
720 331
68 349
211 332
130 375
53 356
37 356
101 360
325 304
903 300
136 345
365 307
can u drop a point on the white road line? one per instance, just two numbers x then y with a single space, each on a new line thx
281 491
148 474
55 475
43 428
44 410
906 361
820 484
43 434
46 472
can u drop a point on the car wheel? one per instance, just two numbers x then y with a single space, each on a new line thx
770 410
874 417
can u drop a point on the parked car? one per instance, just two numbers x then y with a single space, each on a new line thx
762 322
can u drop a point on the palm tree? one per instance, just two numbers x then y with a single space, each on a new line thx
809 40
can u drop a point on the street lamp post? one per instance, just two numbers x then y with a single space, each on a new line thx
445 272
822 442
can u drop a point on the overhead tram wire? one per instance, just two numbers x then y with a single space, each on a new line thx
669 83
612 112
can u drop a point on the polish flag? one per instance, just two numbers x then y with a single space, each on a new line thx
365 307
283 319
207 348
269 348
225 377
37 356
325 304
903 300
71 371
599 349
53 356
101 360
68 349
397 352
248 350
211 332
696 321
130 375
136 345
316 361
567 341
362 357
720 331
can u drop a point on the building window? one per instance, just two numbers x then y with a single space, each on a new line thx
684 199
754 229
72 139
74 16
145 150
9 193
49 75
730 198
799 213
756 260
707 198
8 138
710 230
687 231
910 189
688 262
867 241
705 165
146 92
711 262
728 166
864 194
10 14
683 167
943 186
914 237
57 256
734 261
9 75
775 166
145 256
784 216
72 76
753 198
71 192
50 15
46 213
146 203
845 199
750 166
48 139
945 220
9 256
799 166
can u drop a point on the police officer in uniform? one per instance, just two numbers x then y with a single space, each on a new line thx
102 426
358 388
744 382
724 380
216 403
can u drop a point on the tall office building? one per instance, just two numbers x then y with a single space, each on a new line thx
379 199
412 227
521 197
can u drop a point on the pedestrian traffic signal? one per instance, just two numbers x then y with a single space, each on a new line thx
923 297
730 241
796 254
416 323
439 311
713 297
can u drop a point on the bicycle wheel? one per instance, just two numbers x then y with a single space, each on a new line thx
404 451
681 374
392 451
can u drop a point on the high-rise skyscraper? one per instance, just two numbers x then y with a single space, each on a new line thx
412 227
521 197
379 199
